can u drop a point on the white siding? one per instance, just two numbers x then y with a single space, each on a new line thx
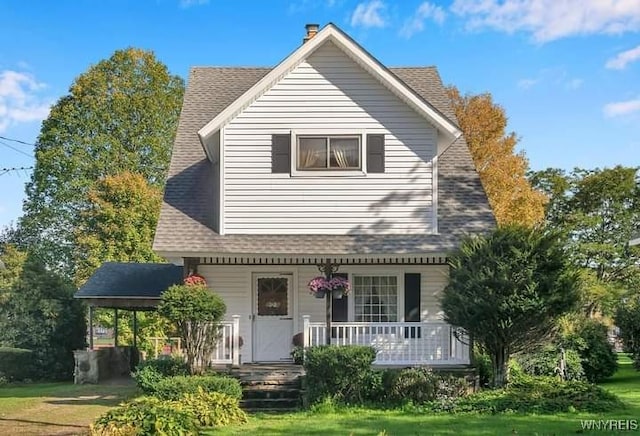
234 285
328 93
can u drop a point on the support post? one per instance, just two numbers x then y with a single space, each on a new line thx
236 340
306 336
328 298
115 328
135 329
91 327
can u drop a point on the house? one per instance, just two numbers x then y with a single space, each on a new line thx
327 162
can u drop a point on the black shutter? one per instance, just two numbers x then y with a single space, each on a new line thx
339 307
375 153
412 303
281 154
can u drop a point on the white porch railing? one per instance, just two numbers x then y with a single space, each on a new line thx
227 350
396 343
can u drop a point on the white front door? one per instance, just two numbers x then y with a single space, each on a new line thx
273 315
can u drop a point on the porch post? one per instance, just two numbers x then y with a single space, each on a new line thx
328 297
135 329
306 337
91 327
115 328
236 340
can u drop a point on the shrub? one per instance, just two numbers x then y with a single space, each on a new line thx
166 366
344 373
482 362
213 408
421 385
172 388
16 364
146 416
590 340
149 373
546 362
535 395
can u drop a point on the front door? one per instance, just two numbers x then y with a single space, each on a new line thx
273 315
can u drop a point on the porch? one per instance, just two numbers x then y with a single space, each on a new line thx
396 343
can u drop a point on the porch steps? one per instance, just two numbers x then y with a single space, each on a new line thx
270 388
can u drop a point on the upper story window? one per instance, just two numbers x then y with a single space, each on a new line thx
316 153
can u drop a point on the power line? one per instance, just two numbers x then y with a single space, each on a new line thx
16 140
15 149
4 171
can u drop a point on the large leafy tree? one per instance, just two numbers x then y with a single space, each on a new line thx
38 312
118 225
599 211
502 170
120 115
507 290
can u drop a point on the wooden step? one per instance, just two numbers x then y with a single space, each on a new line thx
270 404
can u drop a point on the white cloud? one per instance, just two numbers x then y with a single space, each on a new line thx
369 14
620 61
20 100
548 20
621 108
425 11
575 83
527 83
188 3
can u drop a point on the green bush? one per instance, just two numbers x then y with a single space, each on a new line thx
590 340
343 373
172 388
546 362
543 395
213 408
146 416
482 362
149 373
421 385
167 366
16 364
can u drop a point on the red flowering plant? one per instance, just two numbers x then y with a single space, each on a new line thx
322 284
195 279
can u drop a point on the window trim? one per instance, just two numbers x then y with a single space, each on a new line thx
328 172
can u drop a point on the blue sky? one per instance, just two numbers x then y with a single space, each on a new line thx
566 71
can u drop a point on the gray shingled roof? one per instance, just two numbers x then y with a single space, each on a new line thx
186 214
130 280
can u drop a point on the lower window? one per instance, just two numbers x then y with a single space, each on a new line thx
375 298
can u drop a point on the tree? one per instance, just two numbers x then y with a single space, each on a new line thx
38 312
120 115
507 290
598 210
118 223
502 171
196 313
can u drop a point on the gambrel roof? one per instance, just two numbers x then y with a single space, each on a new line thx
186 218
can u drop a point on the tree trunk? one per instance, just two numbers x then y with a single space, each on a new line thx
500 363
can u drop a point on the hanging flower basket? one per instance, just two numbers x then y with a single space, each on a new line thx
337 286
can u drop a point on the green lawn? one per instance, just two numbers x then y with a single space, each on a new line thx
64 408
358 421
57 408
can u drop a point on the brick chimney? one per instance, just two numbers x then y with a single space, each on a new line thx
312 30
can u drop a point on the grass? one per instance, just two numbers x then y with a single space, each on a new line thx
363 421
57 408
64 408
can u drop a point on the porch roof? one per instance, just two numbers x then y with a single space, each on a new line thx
129 285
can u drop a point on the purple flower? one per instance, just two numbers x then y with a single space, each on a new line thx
321 284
